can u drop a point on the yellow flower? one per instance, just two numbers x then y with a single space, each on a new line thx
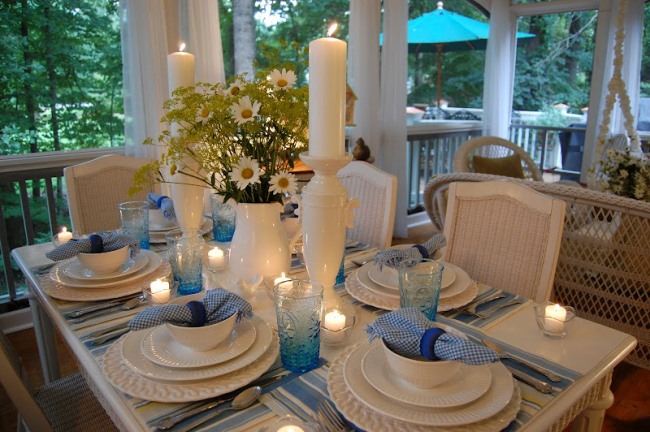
283 182
246 172
282 80
245 110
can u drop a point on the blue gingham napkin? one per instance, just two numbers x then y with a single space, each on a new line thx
217 305
409 333
392 257
164 203
94 243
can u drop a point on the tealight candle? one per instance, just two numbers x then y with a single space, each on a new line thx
281 278
290 428
554 316
334 320
64 236
160 291
216 258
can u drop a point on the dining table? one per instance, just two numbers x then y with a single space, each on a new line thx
584 359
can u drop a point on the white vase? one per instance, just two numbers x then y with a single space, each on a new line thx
187 193
259 247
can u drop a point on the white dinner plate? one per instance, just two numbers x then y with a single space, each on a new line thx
366 418
58 275
159 347
75 270
126 380
135 359
390 278
493 400
63 292
470 383
158 237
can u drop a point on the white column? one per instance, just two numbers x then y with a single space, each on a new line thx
363 70
392 111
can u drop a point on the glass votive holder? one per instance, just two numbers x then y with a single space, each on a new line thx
289 423
337 322
63 236
216 260
553 319
159 291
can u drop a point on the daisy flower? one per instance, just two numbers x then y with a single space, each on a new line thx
283 182
282 80
245 110
203 114
234 88
246 172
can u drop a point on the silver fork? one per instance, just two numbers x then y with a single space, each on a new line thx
488 313
329 418
494 296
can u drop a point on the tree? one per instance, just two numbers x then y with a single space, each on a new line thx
243 24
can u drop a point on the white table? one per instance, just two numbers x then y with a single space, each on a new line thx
590 349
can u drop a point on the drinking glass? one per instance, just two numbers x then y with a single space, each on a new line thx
185 253
298 309
223 219
419 285
134 216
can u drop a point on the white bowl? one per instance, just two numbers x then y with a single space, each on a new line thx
104 263
203 338
158 222
420 373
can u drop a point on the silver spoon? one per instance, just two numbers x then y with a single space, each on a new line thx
123 307
241 401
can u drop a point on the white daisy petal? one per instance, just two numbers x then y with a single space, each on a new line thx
283 182
244 110
246 172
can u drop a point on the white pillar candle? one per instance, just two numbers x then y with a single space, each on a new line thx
291 428
160 291
64 236
216 258
554 316
180 69
327 84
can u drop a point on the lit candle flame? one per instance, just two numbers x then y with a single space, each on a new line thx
181 47
332 29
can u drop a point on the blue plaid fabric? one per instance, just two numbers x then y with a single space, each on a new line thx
404 330
219 304
392 257
164 203
95 243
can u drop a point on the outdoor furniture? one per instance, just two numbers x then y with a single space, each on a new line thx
376 192
63 405
505 235
96 187
489 147
603 268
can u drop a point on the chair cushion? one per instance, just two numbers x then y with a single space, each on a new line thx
509 166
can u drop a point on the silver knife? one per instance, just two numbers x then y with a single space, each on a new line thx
79 312
540 386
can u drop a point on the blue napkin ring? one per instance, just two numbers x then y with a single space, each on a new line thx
96 243
198 313
160 200
423 251
428 343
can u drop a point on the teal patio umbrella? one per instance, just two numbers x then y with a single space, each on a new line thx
441 31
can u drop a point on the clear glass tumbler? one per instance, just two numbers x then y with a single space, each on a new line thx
134 216
419 285
298 309
223 219
185 253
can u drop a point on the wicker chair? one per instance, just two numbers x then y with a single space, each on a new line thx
65 405
505 235
96 187
376 191
603 268
493 147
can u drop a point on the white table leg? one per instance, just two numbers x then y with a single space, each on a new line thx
591 418
46 342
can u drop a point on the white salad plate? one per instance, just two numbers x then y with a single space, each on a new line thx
249 336
122 289
495 399
130 382
470 383
57 274
158 237
367 418
75 270
135 359
390 279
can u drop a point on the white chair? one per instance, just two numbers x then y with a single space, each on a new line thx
505 235
376 191
65 405
96 187
492 147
